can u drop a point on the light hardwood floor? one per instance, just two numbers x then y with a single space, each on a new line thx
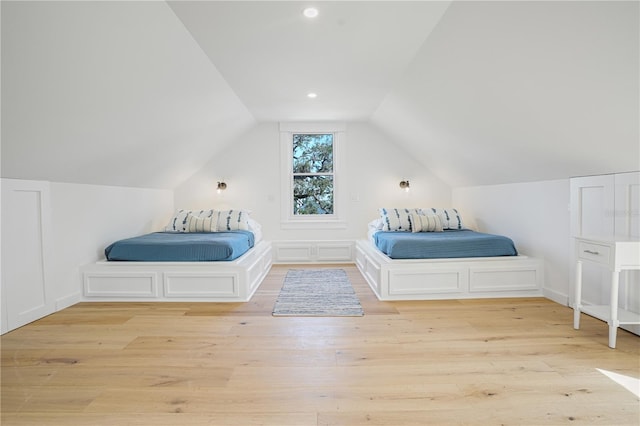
485 362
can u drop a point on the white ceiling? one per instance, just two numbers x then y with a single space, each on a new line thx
144 93
351 54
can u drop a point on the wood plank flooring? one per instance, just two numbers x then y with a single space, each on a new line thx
474 362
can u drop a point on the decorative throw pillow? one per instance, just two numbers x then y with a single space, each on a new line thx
232 220
178 222
203 213
425 223
450 218
201 224
396 219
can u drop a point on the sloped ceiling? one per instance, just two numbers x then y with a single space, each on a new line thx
507 92
111 93
350 55
144 93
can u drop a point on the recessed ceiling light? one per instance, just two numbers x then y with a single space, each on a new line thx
310 12
312 95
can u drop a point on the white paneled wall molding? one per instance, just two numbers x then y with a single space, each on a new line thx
27 294
313 251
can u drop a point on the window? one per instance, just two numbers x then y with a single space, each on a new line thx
312 161
312 179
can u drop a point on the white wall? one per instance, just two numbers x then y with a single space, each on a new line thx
251 168
535 215
75 223
87 218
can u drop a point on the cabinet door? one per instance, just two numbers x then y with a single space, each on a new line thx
592 215
627 224
592 206
627 204
25 252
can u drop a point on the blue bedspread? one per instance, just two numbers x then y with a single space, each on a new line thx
182 247
439 245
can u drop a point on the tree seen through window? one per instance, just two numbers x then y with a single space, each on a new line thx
313 177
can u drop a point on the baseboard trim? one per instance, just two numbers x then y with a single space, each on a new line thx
556 296
66 301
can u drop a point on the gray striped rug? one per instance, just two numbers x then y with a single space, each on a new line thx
317 292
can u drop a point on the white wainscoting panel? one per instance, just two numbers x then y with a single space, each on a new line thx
439 280
313 251
494 279
199 285
131 284
26 252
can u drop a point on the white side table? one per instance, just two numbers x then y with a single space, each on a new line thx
616 255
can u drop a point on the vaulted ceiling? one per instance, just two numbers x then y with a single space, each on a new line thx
144 93
350 55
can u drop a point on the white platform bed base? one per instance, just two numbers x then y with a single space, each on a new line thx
434 279
234 281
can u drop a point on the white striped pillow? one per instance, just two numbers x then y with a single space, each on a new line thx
450 218
425 223
201 224
178 222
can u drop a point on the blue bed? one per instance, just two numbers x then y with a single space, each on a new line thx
447 244
182 247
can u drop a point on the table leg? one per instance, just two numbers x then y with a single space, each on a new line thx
613 317
578 296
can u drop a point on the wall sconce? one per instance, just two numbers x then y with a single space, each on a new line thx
404 184
221 187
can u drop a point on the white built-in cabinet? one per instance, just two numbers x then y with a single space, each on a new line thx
26 253
606 207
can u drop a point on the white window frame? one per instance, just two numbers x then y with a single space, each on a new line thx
336 220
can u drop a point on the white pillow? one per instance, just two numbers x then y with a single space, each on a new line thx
178 222
203 213
376 224
450 218
253 225
396 219
232 220
201 224
425 223
256 228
